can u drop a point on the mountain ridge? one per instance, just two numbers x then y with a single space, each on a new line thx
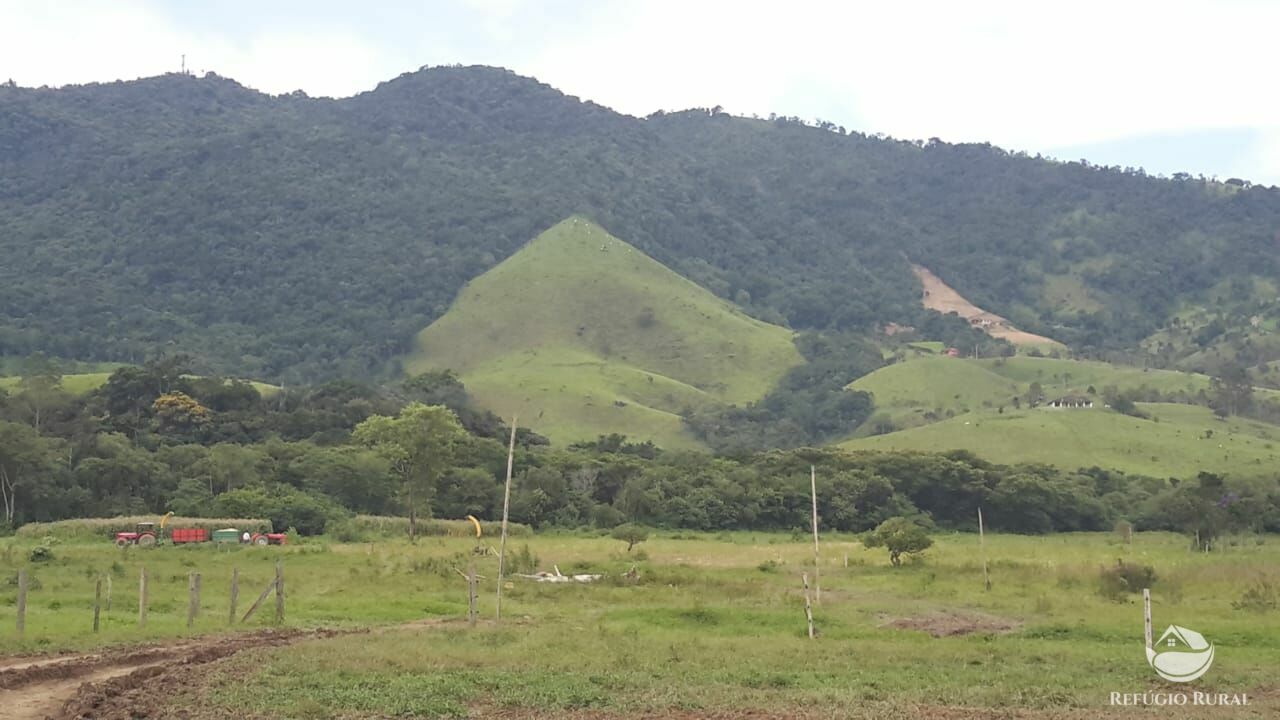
297 239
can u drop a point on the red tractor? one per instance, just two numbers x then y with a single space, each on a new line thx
269 539
145 534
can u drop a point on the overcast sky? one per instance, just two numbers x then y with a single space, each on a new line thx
1169 85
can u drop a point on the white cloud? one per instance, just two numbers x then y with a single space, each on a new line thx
72 41
1025 75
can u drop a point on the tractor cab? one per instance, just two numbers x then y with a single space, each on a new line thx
144 534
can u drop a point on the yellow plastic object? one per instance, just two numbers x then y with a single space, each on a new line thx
475 522
165 520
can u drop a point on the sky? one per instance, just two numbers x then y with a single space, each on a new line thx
1170 86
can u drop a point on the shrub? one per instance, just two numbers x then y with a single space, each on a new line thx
631 534
900 536
1116 583
285 506
522 561
40 554
1259 597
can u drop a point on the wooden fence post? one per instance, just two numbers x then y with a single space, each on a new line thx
1146 615
97 603
235 594
142 598
254 607
279 591
193 598
22 602
506 506
808 609
108 594
471 594
817 580
982 548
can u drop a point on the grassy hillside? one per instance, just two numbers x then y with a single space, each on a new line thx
81 383
1067 375
938 403
1172 443
928 389
581 334
923 390
77 384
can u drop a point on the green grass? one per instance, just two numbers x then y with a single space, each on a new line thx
1174 446
907 391
1064 376
581 334
82 383
77 384
940 404
714 624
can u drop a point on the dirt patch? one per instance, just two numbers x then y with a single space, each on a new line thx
943 298
948 624
141 693
75 686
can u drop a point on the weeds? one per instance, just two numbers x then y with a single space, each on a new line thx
1118 582
1260 597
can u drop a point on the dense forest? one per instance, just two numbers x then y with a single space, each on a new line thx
155 439
299 240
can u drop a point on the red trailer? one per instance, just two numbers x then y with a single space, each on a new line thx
189 535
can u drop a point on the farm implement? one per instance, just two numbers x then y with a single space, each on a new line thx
148 534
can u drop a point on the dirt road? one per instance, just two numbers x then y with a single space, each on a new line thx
78 686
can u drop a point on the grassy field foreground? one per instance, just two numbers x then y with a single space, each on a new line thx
712 624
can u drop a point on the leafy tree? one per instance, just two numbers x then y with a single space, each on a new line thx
179 413
24 457
40 388
631 534
418 444
1231 391
899 536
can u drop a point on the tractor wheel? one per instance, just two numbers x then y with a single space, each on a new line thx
121 542
262 540
147 540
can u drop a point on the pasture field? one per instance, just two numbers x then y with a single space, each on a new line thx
84 383
713 626
581 334
1176 440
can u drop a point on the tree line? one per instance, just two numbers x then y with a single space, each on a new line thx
154 438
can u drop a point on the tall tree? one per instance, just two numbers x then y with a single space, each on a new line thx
1232 390
40 389
419 444
24 456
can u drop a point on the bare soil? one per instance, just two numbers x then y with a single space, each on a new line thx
951 623
943 298
97 685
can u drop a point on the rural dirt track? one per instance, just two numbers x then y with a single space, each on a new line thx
82 686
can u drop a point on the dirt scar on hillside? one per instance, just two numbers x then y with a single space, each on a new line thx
942 297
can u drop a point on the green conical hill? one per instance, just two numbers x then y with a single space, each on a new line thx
582 334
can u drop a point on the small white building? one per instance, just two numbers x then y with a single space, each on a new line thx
1070 402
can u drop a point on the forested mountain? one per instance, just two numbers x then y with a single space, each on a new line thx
297 239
